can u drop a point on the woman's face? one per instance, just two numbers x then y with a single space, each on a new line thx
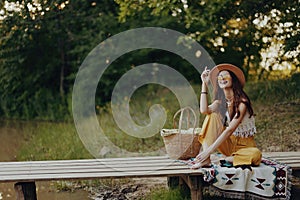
224 79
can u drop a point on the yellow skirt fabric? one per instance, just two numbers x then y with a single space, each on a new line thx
243 149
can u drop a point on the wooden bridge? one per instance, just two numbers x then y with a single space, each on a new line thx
24 174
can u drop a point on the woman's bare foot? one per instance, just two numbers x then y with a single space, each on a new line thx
229 159
191 162
198 165
215 158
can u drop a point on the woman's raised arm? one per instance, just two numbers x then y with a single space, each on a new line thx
205 108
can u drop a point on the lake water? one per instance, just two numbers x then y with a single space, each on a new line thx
11 140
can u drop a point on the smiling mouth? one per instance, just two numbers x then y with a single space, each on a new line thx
223 82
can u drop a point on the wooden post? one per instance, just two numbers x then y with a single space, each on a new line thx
195 183
196 187
178 182
173 182
184 188
25 191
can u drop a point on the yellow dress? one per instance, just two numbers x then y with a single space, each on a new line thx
240 144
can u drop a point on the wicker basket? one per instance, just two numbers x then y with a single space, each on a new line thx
181 143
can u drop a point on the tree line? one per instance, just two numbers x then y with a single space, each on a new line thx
44 42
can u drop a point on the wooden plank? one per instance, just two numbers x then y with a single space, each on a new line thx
295 162
281 154
95 174
164 163
111 167
23 164
104 160
274 155
98 171
133 159
295 167
117 168
91 169
285 159
87 174
42 170
119 165
289 162
66 169
291 159
16 166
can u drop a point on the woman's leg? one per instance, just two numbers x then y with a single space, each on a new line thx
211 129
246 152
247 156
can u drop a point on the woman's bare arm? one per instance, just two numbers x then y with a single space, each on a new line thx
224 135
205 108
203 100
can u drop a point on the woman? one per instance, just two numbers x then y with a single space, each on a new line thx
229 126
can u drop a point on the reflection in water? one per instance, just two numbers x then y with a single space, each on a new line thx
11 140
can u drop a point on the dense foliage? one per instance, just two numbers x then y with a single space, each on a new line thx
43 43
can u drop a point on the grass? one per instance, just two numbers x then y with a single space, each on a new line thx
278 126
166 194
276 104
178 194
277 122
51 141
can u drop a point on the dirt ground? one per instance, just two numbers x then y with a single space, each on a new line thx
141 187
135 189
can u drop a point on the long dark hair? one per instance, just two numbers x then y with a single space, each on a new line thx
239 96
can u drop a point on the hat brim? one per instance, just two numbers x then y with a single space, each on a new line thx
234 69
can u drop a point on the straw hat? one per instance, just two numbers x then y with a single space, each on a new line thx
229 67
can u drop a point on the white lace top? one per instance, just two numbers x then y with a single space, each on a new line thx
246 128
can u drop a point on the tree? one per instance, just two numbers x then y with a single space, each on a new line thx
229 29
43 45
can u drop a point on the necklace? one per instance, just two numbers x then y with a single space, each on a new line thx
229 101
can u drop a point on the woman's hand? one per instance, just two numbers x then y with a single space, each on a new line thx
205 76
203 156
201 160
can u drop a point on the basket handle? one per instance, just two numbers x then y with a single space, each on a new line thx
181 111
